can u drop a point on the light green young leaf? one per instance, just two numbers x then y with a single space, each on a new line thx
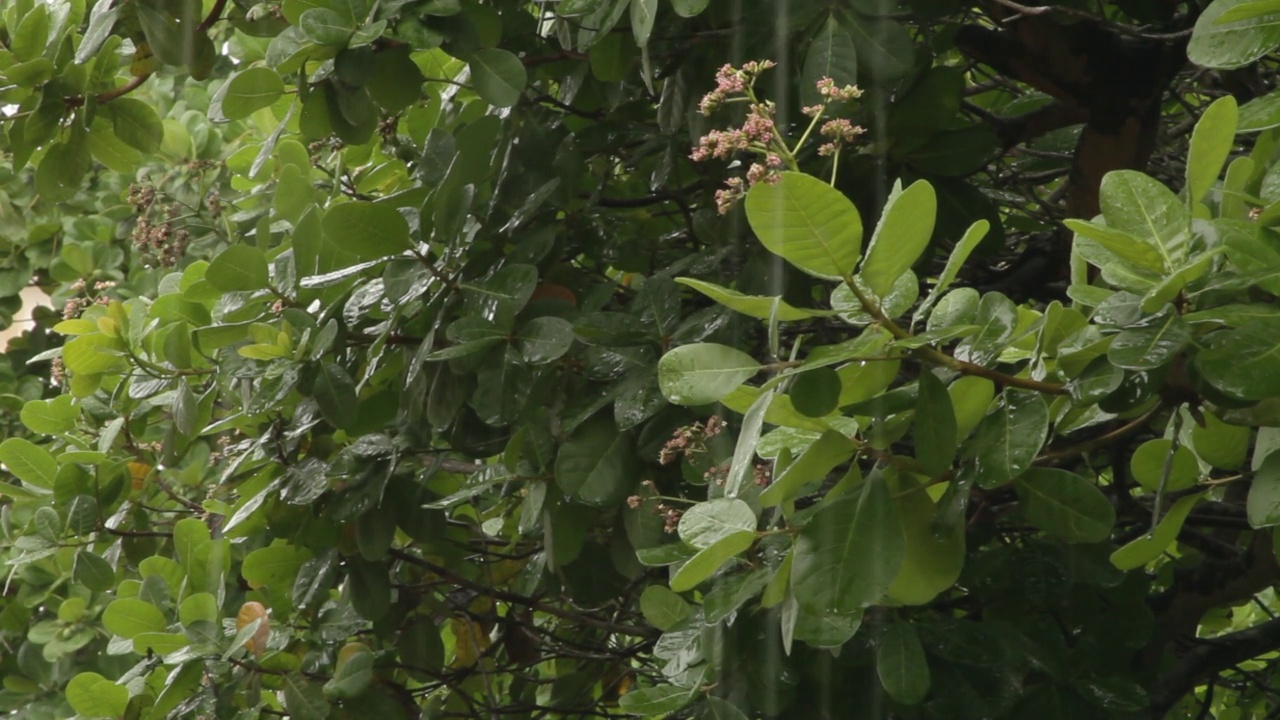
901 236
707 523
756 306
245 93
1211 143
1148 547
807 223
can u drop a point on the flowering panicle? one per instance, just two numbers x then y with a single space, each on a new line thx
690 440
759 132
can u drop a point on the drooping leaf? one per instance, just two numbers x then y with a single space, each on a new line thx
848 554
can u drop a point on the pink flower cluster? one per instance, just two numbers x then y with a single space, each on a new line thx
842 132
690 440
759 132
731 81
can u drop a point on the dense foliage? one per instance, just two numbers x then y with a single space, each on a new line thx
484 358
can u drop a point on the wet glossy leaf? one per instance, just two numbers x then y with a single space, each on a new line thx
703 372
1065 505
706 523
1148 462
901 664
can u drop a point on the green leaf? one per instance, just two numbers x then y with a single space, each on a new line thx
662 608
710 559
323 26
901 236
92 695
849 552
744 451
1151 342
658 700
959 254
901 664
335 393
1234 44
351 677
730 593
935 426
1219 444
31 35
885 48
245 93
545 339
997 319
597 466
238 267
102 18
756 306
64 166
689 8
50 417
707 523
829 450
933 559
1242 362
29 462
1152 545
1263 504
1142 206
303 698
807 223
1119 243
274 566
198 607
93 572
135 123
364 230
128 617
499 76
643 13
1009 439
703 373
1147 466
1065 505
1211 143
159 643
832 55
816 393
1260 113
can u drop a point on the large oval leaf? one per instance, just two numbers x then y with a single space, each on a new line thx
901 235
848 554
1066 505
807 223
703 372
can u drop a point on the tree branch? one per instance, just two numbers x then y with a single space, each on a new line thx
1210 658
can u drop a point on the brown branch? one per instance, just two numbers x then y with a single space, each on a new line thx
1210 658
510 597
76 101
214 14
